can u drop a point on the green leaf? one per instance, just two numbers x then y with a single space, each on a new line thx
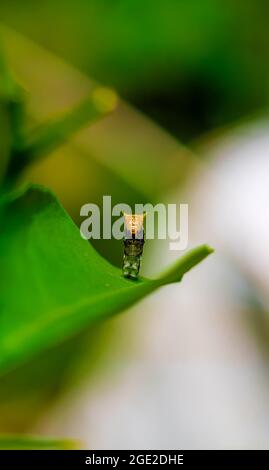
55 283
21 442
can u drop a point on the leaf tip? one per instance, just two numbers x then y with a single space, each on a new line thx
186 263
208 249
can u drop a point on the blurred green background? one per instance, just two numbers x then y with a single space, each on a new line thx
190 65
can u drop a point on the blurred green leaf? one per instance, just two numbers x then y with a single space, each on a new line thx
11 115
47 137
126 144
5 138
55 283
183 65
5 122
17 442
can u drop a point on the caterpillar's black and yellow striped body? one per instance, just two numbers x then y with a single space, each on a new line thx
133 245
